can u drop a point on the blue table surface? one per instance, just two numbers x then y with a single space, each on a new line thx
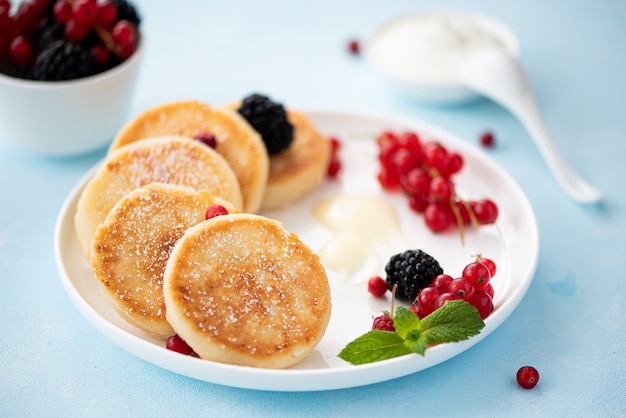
571 325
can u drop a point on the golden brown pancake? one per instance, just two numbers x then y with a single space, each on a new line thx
172 159
236 141
239 289
132 245
297 170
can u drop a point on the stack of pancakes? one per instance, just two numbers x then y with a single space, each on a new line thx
237 288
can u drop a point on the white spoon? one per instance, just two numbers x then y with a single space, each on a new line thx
500 77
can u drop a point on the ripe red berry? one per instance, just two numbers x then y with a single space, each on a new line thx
477 274
63 11
441 282
124 34
383 323
489 264
207 138
482 302
215 210
487 139
437 216
444 297
486 211
354 47
175 343
462 287
441 189
426 299
334 166
377 286
527 377
106 13
21 51
75 31
85 12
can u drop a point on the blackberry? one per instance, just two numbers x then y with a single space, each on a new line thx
48 32
269 119
411 270
126 11
63 60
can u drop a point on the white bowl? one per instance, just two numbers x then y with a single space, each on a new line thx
64 118
421 54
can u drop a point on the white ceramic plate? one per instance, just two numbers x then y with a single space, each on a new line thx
512 243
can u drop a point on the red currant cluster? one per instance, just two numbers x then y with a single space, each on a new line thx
473 287
96 24
424 171
334 165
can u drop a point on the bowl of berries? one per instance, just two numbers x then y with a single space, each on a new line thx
67 72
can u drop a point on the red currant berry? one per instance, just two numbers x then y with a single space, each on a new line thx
62 11
462 287
487 139
175 343
335 144
418 203
383 323
354 47
124 34
416 182
482 302
416 310
215 210
106 13
491 266
486 211
410 140
436 156
85 12
437 216
334 166
377 286
441 189
207 138
75 31
444 297
426 299
387 178
477 274
441 282
404 161
527 377
453 164
21 51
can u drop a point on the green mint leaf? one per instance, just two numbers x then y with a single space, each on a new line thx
374 346
416 342
455 321
405 321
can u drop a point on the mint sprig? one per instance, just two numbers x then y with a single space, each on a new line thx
455 321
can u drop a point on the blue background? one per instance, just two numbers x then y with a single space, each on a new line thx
570 325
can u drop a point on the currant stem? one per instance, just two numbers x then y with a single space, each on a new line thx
459 220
